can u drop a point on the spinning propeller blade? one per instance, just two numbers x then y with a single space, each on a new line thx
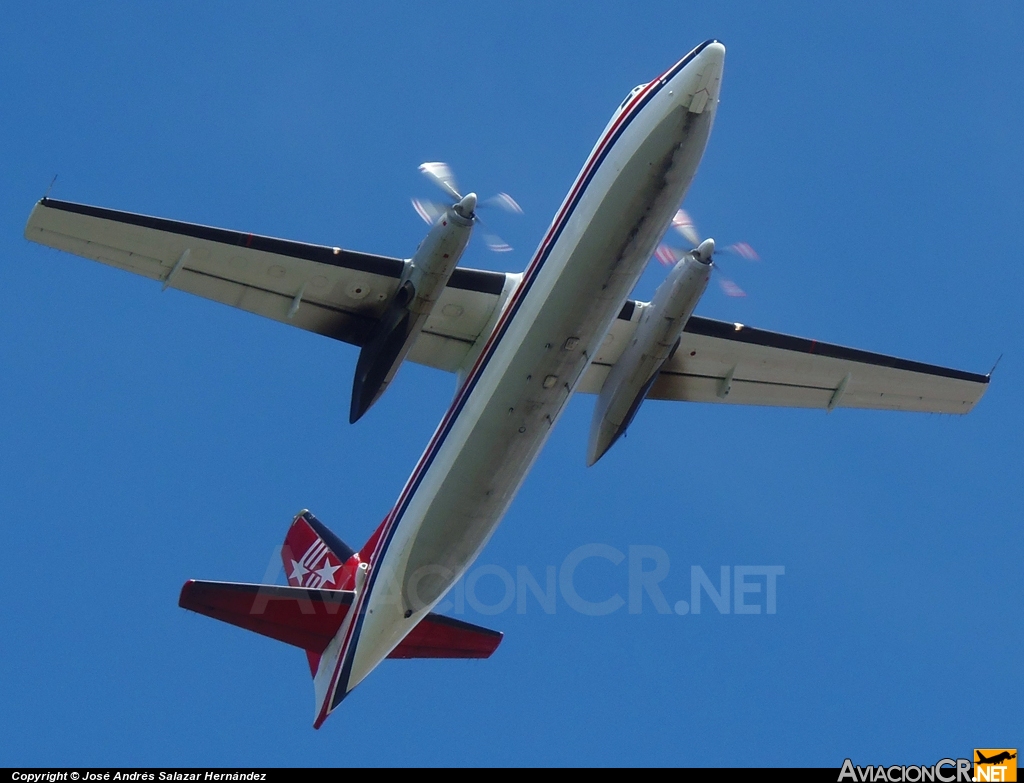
441 175
503 201
730 288
496 244
683 223
430 211
685 226
743 250
667 255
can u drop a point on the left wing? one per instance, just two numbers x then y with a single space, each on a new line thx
327 290
733 363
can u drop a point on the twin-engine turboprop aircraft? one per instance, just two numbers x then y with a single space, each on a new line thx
521 346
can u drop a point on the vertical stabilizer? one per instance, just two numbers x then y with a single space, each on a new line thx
314 557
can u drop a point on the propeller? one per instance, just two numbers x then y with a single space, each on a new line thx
441 175
684 225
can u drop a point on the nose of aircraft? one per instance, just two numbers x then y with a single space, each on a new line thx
712 53
697 83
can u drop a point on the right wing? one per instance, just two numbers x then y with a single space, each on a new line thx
733 363
328 290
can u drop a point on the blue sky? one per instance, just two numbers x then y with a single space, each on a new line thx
872 155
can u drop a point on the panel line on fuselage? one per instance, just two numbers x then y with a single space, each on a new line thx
572 200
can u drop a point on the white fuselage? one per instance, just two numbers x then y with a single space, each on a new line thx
588 262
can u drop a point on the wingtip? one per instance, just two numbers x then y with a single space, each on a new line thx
183 596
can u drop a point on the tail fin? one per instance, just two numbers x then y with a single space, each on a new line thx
306 614
312 555
313 610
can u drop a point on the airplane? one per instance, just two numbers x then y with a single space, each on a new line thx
996 759
520 344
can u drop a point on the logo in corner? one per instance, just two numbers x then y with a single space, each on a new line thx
995 764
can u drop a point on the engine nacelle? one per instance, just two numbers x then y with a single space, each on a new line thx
654 341
426 275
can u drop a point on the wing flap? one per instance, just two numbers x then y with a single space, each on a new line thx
437 636
298 616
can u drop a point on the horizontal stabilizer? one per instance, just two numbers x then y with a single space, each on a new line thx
309 619
298 616
438 636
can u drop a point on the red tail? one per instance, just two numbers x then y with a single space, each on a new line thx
314 557
321 571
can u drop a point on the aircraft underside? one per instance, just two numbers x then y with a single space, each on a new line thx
520 345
